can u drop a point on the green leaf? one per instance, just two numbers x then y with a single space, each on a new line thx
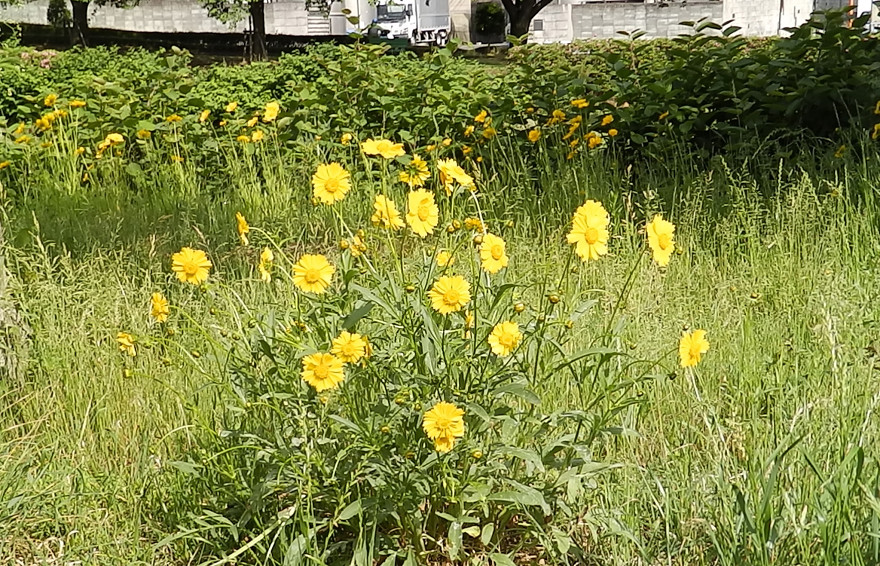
351 510
454 536
472 531
525 455
186 467
133 169
501 559
518 390
486 536
352 319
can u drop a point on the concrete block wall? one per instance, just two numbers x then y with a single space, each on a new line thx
565 21
172 16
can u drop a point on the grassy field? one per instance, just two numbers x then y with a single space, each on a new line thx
764 454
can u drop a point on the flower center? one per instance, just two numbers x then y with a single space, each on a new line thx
322 371
190 268
591 235
331 185
451 297
507 340
695 350
664 240
423 212
442 424
497 252
312 275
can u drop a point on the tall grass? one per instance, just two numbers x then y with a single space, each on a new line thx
766 456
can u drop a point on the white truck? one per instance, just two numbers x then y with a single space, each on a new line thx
421 22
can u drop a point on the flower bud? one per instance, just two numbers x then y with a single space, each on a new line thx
519 307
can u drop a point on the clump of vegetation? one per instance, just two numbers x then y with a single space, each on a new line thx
353 308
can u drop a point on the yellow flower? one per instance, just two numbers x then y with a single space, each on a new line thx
243 228
465 149
345 139
4 165
144 134
191 266
692 347
114 139
612 132
445 259
443 424
594 140
383 147
159 307
489 133
313 273
257 136
231 107
556 117
349 347
322 371
468 131
177 159
664 116
79 151
475 224
504 338
571 130
580 103
126 343
265 266
451 173
446 142
77 103
417 174
330 183
481 117
173 118
19 129
660 239
271 111
422 212
493 257
386 214
357 246
877 107
534 135
50 100
607 120
840 152
204 116
874 135
243 139
450 294
252 122
589 231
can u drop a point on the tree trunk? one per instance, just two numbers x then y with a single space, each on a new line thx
258 21
519 23
80 22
